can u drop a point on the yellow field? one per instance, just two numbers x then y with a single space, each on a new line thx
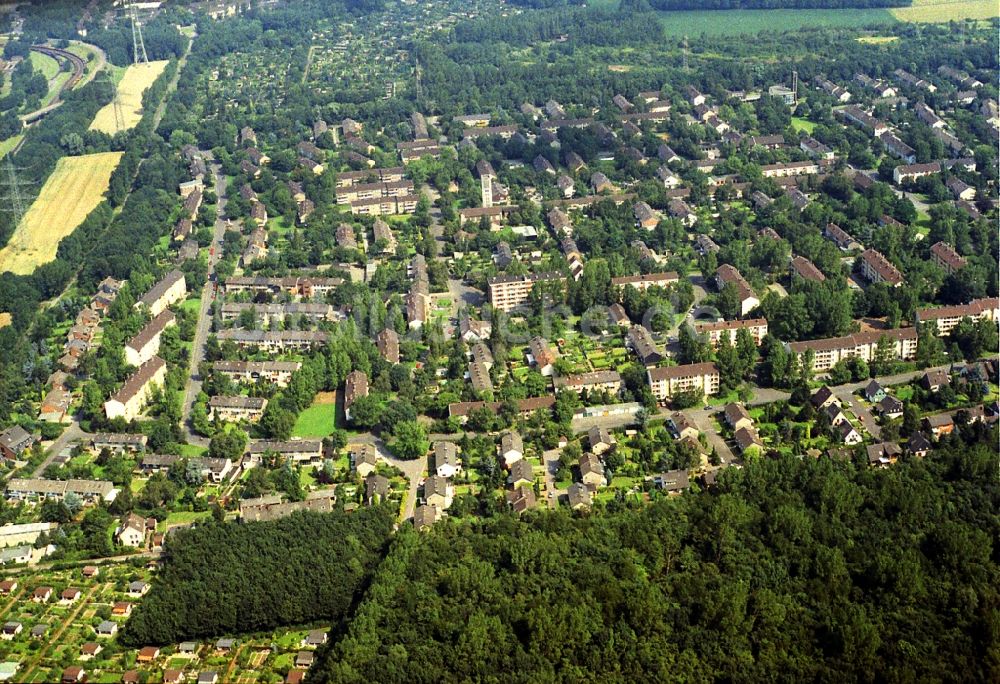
5 319
877 40
75 187
946 10
137 78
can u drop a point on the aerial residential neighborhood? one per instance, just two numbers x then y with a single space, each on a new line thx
381 310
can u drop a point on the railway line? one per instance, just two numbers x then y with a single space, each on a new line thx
59 55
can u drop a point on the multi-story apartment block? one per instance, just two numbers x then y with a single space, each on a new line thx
666 381
129 401
714 332
827 352
945 318
509 292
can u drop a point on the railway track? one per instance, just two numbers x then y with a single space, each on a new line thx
59 55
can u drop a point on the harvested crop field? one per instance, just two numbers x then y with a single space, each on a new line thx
134 83
945 10
74 188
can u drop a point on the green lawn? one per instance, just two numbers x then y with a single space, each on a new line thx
800 124
192 450
9 144
319 420
182 518
48 66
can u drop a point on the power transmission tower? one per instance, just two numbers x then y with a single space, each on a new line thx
685 51
13 200
138 47
116 102
419 88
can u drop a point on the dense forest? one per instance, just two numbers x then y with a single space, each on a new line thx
798 569
669 5
228 578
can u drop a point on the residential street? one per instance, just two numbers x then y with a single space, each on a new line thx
414 471
193 386
71 434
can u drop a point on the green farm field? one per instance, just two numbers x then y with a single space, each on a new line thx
736 22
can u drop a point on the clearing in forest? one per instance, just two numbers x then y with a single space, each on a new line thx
134 83
74 188
947 10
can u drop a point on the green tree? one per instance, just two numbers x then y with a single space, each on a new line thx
409 440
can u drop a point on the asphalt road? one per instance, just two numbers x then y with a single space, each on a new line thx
193 386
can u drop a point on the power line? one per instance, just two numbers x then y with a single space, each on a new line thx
138 46
14 200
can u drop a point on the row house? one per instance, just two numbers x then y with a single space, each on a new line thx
506 293
386 206
728 274
275 313
910 172
236 408
644 215
667 381
714 332
908 79
606 380
254 510
640 341
296 286
898 148
945 318
802 267
367 191
479 378
253 372
387 342
256 248
644 282
129 401
878 86
384 237
525 407
35 489
355 387
473 120
345 237
827 352
393 174
295 450
541 356
119 442
505 132
863 119
276 341
815 149
788 169
841 238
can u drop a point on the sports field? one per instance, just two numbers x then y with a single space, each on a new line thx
946 10
137 79
74 188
